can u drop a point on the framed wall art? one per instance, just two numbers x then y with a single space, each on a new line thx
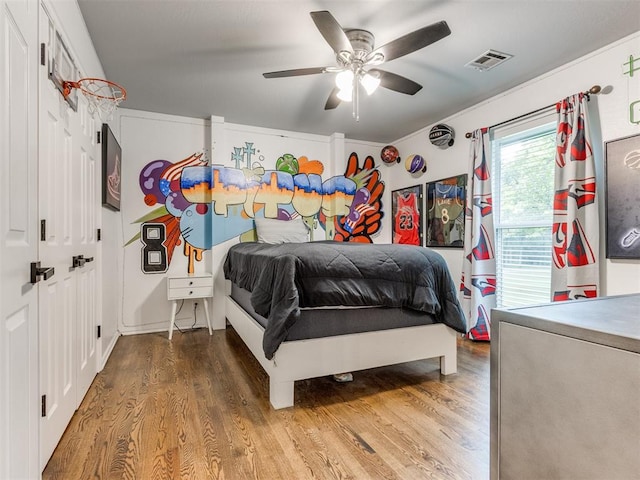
111 169
445 212
622 164
406 206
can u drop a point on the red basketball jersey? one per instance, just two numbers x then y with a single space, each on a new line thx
407 220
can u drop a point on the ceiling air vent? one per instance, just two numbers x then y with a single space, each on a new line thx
488 60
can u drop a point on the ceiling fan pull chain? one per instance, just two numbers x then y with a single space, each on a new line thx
356 99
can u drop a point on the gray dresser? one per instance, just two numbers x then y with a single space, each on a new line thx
565 391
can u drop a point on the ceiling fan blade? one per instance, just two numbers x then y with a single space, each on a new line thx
331 31
333 101
397 83
295 72
413 41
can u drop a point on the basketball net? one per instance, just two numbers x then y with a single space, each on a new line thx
103 96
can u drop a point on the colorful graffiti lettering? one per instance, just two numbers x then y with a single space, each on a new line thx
204 205
365 212
185 211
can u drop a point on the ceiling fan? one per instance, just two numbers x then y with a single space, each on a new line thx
355 55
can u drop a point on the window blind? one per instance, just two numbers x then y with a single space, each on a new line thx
523 165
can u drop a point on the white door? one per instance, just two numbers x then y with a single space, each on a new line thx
68 192
18 240
58 308
87 177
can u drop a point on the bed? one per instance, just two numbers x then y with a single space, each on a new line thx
312 309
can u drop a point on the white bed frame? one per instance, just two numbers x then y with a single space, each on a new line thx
301 359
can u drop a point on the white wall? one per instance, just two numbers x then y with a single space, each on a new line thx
145 137
610 111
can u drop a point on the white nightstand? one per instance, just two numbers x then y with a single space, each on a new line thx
189 287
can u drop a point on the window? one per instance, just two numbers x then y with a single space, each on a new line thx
523 165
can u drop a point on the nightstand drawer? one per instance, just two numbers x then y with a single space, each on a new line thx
189 282
189 292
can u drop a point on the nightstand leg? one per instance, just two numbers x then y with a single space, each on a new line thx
206 314
174 307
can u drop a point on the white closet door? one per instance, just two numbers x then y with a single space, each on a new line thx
87 179
69 177
18 240
58 164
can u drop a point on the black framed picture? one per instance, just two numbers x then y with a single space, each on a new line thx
406 207
622 164
445 212
111 169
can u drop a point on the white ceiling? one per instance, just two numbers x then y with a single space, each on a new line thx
199 58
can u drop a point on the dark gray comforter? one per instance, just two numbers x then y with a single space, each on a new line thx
282 278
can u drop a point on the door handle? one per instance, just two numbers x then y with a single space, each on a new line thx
78 261
88 259
37 271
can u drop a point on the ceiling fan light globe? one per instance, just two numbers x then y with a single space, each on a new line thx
370 82
344 80
345 94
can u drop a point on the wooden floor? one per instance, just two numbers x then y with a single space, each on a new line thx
198 408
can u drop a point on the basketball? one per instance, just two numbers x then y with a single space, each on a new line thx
389 154
441 136
415 164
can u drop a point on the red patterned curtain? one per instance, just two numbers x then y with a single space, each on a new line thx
576 228
478 287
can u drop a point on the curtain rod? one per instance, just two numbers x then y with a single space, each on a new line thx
592 91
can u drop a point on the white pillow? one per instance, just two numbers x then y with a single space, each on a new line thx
271 230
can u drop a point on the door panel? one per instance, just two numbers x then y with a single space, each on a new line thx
57 295
69 207
86 244
18 240
58 309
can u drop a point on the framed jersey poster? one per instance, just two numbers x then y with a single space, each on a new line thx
445 212
406 206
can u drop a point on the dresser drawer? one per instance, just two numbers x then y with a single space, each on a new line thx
189 292
189 287
188 282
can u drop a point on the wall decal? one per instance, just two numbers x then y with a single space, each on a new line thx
630 68
185 219
154 252
365 211
204 205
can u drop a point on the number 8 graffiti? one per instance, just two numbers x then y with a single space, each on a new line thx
154 253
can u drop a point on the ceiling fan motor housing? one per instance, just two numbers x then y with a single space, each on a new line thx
362 42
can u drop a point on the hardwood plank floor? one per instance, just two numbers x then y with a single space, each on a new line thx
198 408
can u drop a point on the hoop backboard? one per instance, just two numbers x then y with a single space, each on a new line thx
63 69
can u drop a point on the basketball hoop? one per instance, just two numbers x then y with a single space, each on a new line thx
103 96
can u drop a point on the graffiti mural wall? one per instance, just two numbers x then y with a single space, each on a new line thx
194 205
